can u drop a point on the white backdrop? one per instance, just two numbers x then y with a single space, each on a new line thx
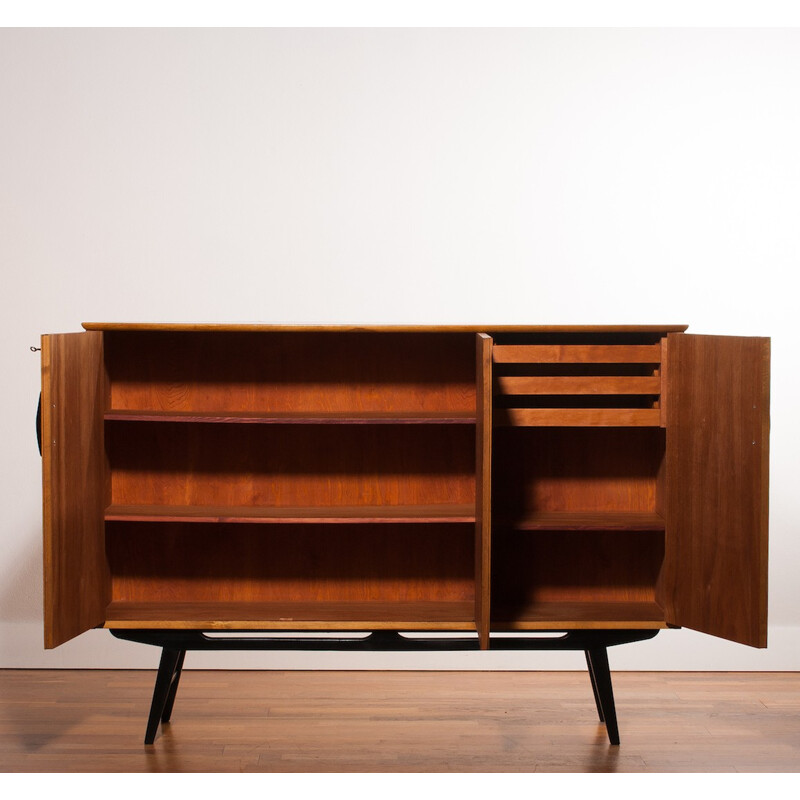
486 176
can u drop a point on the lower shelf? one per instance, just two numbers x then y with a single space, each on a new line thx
580 521
352 616
551 615
367 616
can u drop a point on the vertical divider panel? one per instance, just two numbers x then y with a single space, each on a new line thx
483 488
664 395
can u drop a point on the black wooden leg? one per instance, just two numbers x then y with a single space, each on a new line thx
169 670
597 659
594 687
173 689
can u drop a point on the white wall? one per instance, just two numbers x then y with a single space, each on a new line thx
420 176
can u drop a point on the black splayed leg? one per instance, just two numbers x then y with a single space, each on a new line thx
594 687
597 659
173 689
169 671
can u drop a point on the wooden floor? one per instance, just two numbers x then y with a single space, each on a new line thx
94 720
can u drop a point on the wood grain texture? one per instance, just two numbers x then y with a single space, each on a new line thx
576 354
288 515
578 384
299 417
291 373
577 417
76 579
567 569
483 488
413 615
576 470
583 521
717 486
292 465
195 563
278 721
548 615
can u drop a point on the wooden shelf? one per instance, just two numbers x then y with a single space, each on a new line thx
451 513
577 354
578 385
582 521
577 417
298 417
356 616
590 615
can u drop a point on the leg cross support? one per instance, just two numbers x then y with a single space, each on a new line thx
175 643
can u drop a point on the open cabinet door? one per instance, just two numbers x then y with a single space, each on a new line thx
483 487
76 579
715 572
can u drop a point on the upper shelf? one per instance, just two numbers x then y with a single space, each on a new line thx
576 354
299 417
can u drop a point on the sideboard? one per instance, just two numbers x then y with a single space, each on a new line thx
600 482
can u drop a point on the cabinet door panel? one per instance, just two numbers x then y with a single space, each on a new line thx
76 580
715 574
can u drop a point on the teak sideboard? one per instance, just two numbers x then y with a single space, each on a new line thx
602 482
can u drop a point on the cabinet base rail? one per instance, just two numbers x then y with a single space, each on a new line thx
175 643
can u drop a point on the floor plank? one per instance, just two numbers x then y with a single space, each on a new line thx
289 721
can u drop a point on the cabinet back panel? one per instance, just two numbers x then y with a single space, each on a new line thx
290 465
576 469
198 563
576 566
281 371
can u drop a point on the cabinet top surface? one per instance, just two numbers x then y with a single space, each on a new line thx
215 326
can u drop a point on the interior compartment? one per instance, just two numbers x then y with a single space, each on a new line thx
609 578
179 464
578 533
576 470
300 573
301 371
